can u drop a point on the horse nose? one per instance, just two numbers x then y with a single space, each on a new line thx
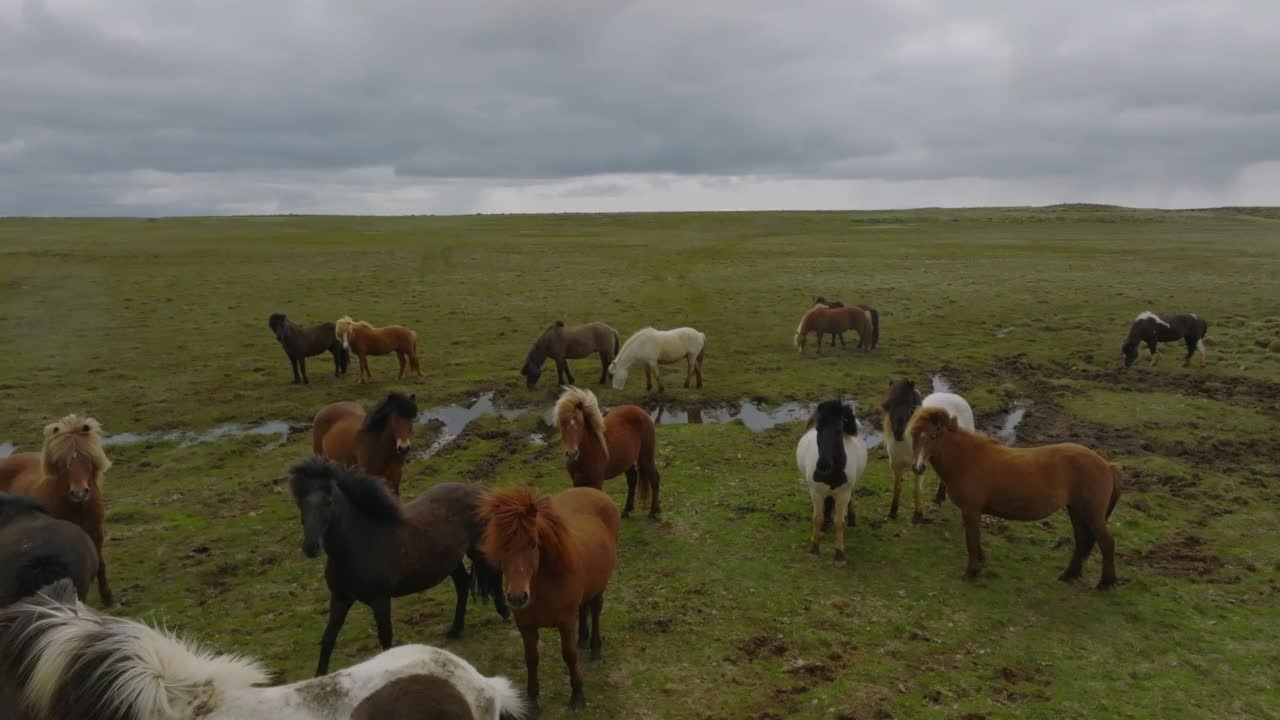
403 446
78 496
518 600
571 454
918 469
311 549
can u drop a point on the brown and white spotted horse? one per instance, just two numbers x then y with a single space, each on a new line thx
1151 329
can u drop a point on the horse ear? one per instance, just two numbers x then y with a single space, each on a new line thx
413 397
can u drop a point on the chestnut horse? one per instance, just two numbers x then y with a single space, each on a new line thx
598 447
822 319
561 343
556 555
377 441
364 340
875 321
67 476
983 476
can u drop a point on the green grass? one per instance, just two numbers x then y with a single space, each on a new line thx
717 611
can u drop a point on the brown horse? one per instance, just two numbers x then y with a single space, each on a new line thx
983 476
37 550
364 340
300 343
822 319
598 447
559 343
556 555
67 476
377 441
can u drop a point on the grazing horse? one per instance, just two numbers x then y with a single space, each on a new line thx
875 321
67 477
821 319
377 441
985 477
900 402
556 554
831 458
1150 328
378 549
37 550
364 340
300 343
74 663
659 347
561 343
598 447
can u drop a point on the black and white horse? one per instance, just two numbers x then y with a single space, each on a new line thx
1151 329
831 458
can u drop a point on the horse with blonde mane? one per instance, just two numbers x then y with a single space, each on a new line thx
556 555
659 347
67 476
62 660
364 340
984 477
598 447
822 319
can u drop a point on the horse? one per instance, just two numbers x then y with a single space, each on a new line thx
378 549
1150 328
659 347
985 477
378 441
821 319
556 554
37 550
300 343
67 477
875 321
899 403
598 447
831 458
67 661
365 340
561 343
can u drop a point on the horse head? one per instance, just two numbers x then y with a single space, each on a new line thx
927 428
899 403
277 324
833 420
73 455
312 484
522 532
395 415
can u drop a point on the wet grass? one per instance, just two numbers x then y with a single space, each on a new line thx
717 611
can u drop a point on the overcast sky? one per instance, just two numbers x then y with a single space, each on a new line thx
163 107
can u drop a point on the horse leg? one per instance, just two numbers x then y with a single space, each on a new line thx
972 539
1083 546
1191 350
828 507
917 517
942 492
104 587
381 608
1155 351
688 371
648 378
655 507
293 364
597 605
698 370
1107 545
302 365
562 371
632 477
604 368
816 536
657 374
530 637
841 336
819 343
364 368
897 491
338 609
840 521
404 360
461 586
569 652
584 636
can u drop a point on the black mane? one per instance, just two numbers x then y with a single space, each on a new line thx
12 505
365 492
276 320
398 403
899 403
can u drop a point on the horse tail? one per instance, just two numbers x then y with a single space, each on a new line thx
617 344
875 327
644 489
39 572
413 352
702 352
509 701
1116 479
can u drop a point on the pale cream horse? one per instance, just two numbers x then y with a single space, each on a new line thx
659 347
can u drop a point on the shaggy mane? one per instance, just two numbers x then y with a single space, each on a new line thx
71 437
901 392
930 415
576 398
517 519
400 404
366 493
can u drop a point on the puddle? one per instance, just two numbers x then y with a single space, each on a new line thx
456 419
755 417
1008 432
7 449
940 385
187 438
537 439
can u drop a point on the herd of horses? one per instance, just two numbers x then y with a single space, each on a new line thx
545 560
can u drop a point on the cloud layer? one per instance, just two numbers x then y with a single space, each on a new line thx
154 107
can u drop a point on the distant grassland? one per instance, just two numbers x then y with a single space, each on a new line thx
717 611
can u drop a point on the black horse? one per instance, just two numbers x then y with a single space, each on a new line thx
300 343
1151 329
378 549
37 550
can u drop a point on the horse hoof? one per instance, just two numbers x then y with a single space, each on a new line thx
1106 584
578 701
596 661
893 513
653 517
839 556
813 549
917 518
1068 576
971 574
626 514
454 633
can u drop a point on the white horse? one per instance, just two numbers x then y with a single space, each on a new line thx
832 459
80 665
654 347
900 403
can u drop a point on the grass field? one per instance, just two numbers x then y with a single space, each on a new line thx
717 611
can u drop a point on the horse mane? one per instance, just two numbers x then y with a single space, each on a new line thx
573 398
517 519
399 403
366 493
73 663
70 437
900 392
805 318
276 319
940 416
12 505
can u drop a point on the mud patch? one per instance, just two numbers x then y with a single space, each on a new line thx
760 646
1188 556
510 444
654 626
